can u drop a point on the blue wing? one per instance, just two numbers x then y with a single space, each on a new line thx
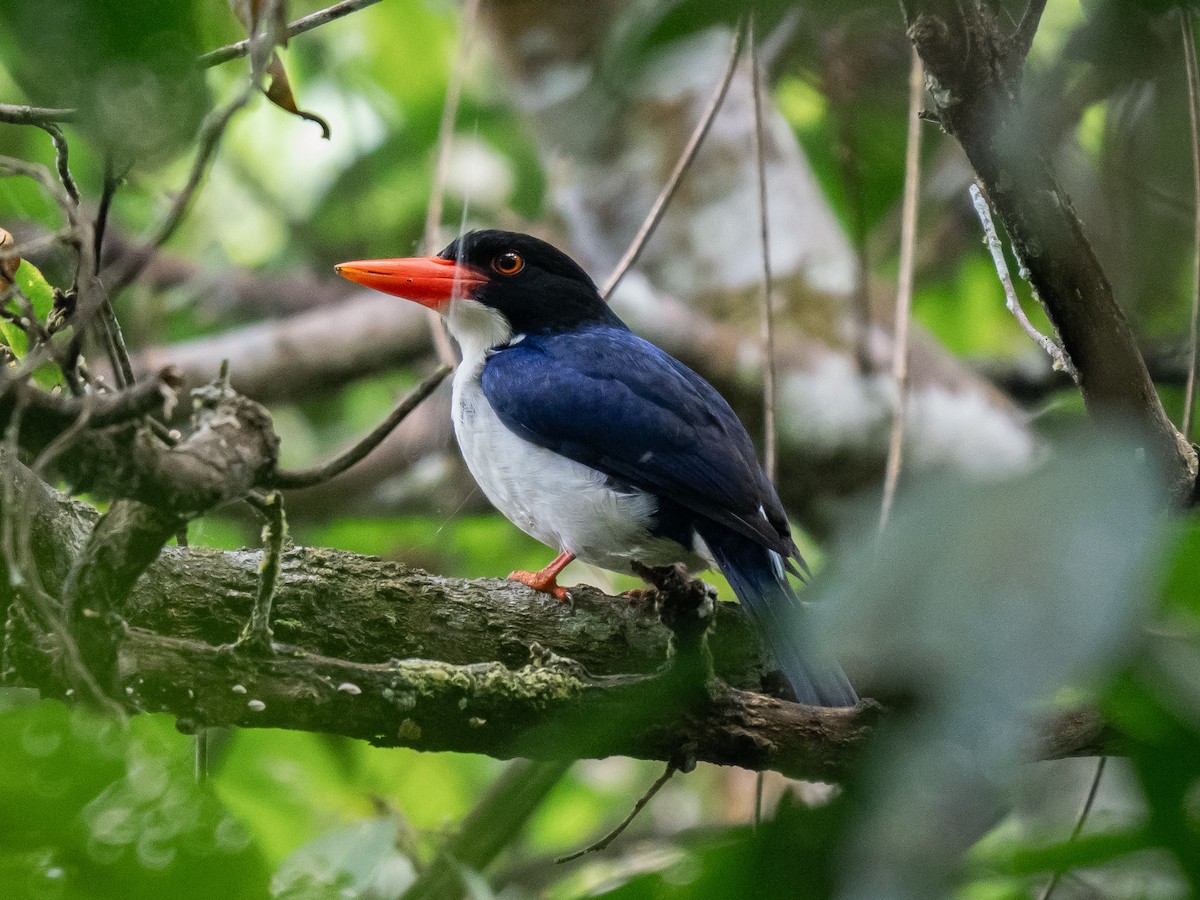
606 398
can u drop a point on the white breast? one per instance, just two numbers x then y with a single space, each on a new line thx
562 503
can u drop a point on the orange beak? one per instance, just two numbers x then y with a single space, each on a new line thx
428 280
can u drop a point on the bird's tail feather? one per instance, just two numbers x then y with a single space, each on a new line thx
757 576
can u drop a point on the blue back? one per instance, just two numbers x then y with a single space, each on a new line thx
606 398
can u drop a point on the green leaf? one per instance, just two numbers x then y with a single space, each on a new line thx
129 68
41 295
90 809
977 606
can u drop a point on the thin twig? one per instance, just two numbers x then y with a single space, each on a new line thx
1189 59
904 287
1084 811
16 114
210 137
114 338
770 454
1057 354
301 25
256 636
839 87
304 478
616 832
261 48
1022 38
494 822
23 574
441 167
112 181
61 159
638 244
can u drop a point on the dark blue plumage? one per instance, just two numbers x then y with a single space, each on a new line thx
604 397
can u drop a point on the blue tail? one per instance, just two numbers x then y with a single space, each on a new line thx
757 576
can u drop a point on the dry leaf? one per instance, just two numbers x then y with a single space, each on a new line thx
279 90
8 264
280 93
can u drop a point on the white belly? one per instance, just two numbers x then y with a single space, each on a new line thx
562 503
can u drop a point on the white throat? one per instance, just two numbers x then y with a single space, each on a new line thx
477 328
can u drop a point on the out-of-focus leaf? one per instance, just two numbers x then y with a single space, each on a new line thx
89 810
1158 712
128 67
359 860
977 605
1180 594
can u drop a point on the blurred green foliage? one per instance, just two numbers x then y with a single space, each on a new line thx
91 809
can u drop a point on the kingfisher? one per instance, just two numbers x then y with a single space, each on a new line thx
601 445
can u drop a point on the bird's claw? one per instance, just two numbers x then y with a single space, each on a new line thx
543 583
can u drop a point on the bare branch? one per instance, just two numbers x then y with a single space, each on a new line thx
904 286
638 244
1088 800
1057 355
256 636
301 25
346 459
16 114
1022 38
978 102
210 137
114 338
604 842
1193 85
56 414
61 159
770 449
445 140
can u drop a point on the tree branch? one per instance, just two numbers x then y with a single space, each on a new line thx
17 114
301 25
434 694
976 95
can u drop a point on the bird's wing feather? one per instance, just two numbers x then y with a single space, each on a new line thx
608 399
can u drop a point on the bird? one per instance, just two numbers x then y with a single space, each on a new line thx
598 443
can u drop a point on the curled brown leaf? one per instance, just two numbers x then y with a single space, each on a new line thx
9 260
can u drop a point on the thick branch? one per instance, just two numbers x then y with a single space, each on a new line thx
976 96
48 415
372 611
230 449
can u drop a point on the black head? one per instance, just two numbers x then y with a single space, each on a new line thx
536 286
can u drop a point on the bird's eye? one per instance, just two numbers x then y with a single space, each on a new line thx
508 263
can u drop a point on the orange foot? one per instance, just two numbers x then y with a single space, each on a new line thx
546 580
